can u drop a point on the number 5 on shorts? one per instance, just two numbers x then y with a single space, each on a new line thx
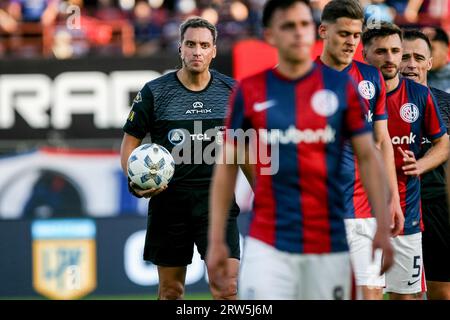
416 265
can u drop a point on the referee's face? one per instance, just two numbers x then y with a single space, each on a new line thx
197 49
416 60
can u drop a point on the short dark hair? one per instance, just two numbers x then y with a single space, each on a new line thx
414 34
197 22
440 35
384 29
272 5
336 9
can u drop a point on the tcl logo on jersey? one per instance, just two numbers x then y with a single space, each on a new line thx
296 136
197 108
405 139
200 136
178 136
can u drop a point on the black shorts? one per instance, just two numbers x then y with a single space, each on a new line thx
436 239
178 219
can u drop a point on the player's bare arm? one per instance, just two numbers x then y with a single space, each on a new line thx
383 143
129 143
437 155
373 177
221 196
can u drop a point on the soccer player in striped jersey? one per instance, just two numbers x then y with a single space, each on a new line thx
413 114
340 29
300 112
416 62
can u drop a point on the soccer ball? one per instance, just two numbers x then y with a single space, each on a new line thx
150 166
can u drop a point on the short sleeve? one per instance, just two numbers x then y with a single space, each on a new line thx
140 118
380 112
355 122
434 126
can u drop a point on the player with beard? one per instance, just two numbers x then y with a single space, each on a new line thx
340 29
413 114
416 62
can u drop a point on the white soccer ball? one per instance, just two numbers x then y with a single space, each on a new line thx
150 166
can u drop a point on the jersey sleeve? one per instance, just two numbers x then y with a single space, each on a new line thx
380 112
443 102
140 118
355 122
434 126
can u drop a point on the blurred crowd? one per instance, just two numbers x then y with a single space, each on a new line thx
77 28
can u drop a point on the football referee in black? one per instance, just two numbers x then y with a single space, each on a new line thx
179 108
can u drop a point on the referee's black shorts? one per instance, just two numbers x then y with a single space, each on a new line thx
178 219
436 239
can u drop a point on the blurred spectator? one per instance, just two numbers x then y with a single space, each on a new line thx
108 10
439 76
147 24
317 8
44 11
155 22
7 22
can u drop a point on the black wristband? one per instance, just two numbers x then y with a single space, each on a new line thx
131 190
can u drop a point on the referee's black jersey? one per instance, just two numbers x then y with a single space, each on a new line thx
189 121
433 182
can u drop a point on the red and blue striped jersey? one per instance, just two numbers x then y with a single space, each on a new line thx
372 90
413 115
299 208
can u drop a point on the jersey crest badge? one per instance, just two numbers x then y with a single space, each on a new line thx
366 89
409 112
325 103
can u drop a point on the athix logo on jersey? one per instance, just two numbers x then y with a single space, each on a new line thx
197 108
409 112
261 106
325 103
296 136
366 89
197 105
369 116
176 136
405 139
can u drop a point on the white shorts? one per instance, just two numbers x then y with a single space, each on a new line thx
360 233
270 274
406 276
